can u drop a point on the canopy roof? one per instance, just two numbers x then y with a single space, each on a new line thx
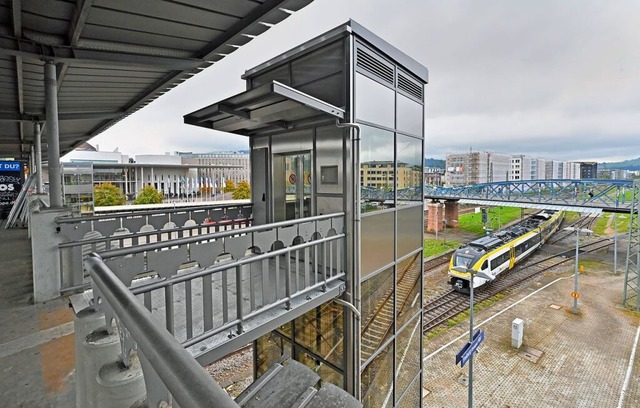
113 57
272 106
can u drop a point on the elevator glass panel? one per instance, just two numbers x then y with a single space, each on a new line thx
297 181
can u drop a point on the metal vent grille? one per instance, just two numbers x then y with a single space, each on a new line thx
374 66
409 86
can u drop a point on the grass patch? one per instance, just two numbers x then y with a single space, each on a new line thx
591 265
622 221
496 216
436 247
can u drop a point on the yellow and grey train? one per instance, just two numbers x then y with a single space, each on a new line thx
500 251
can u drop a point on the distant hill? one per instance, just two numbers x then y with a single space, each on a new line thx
434 163
633 164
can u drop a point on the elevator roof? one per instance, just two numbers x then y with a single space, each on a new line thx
113 57
270 107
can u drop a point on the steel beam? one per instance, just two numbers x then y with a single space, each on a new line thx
632 267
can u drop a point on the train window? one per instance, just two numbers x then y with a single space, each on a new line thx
484 265
462 261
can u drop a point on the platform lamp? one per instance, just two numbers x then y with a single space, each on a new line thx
473 273
576 272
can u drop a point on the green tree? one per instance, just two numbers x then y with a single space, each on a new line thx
149 195
229 186
242 192
106 194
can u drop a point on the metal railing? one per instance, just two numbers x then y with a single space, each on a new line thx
188 383
217 292
106 232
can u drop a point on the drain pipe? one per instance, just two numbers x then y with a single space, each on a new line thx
355 275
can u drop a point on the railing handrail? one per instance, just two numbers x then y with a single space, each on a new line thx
189 384
176 279
216 235
70 220
138 234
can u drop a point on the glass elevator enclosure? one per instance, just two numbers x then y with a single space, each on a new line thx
306 162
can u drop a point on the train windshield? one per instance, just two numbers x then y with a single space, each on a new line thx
462 261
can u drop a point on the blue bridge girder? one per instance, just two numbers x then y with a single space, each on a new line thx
586 194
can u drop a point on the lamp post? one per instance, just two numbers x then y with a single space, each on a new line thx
576 272
472 274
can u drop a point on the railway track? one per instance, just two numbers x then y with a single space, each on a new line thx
441 308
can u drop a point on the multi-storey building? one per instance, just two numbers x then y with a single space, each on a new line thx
235 164
588 170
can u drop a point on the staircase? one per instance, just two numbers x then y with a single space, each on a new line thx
292 384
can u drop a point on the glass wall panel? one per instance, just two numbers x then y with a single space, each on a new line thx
269 348
377 380
408 355
411 398
377 242
409 116
320 331
410 169
410 223
376 312
408 288
377 173
326 372
374 102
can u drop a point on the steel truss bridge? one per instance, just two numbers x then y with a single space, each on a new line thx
572 195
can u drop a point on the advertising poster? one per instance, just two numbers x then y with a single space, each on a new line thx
11 179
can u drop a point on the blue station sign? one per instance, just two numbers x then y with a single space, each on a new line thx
471 347
11 180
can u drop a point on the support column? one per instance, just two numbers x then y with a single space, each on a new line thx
37 131
435 215
451 213
53 134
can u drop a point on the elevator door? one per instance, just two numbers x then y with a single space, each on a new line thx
292 186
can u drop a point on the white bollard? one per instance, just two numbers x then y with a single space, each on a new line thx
119 386
85 321
98 348
517 333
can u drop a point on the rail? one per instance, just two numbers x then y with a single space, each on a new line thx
189 384
236 275
215 293
105 232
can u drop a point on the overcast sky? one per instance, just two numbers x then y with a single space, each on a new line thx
547 78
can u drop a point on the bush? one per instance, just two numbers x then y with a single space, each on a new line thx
242 192
149 195
106 194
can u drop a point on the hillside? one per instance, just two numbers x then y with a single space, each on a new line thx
434 163
633 164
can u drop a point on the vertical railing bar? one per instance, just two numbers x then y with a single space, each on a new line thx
207 302
168 307
225 300
189 309
277 288
265 281
324 265
288 280
239 312
331 244
307 279
252 298
297 269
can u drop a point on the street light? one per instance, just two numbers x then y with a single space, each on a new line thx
473 274
576 272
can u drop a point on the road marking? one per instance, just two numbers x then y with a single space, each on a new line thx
466 334
629 369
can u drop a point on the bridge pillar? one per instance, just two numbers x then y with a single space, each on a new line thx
451 213
435 215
